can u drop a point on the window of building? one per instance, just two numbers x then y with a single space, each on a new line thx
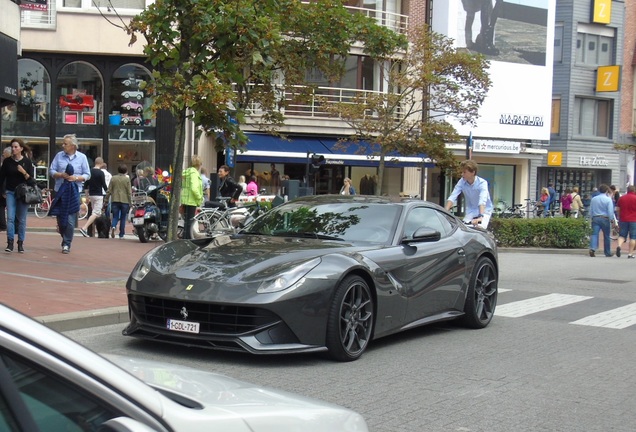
34 95
558 42
592 117
130 102
595 45
79 98
555 122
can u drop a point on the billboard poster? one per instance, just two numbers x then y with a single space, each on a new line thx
37 5
517 37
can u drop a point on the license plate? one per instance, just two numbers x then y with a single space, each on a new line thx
183 326
138 221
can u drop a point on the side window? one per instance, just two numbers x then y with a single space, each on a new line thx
53 403
7 422
426 217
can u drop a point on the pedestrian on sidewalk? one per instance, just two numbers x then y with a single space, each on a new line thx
70 155
3 201
577 205
120 197
191 194
96 186
16 170
602 213
566 203
626 209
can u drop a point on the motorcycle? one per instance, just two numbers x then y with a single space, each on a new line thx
152 204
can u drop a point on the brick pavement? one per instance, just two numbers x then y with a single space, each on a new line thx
88 282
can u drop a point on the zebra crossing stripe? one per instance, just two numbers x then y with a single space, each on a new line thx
618 318
537 304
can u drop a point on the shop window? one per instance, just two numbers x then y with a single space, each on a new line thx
34 95
592 117
130 101
79 99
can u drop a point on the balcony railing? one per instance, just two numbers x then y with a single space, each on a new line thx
299 104
397 22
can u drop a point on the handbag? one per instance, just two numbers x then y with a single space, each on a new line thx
28 194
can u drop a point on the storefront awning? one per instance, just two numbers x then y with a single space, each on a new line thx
271 149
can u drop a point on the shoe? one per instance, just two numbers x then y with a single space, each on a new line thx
631 256
618 252
9 247
112 233
20 246
83 232
592 253
65 250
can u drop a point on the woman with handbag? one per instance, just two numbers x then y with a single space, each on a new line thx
15 171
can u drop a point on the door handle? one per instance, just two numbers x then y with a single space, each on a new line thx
461 252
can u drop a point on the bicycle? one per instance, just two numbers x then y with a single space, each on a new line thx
41 210
223 219
83 210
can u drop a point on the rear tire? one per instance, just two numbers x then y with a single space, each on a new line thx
351 319
481 298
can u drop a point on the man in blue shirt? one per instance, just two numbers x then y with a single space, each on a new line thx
602 213
81 173
476 195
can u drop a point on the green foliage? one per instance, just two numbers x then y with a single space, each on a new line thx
430 82
212 58
541 232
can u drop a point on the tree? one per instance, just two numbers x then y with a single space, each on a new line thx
213 58
429 82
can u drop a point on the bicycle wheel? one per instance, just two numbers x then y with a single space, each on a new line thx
83 211
206 222
42 209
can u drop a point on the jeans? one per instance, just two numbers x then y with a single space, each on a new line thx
601 224
120 213
16 210
69 230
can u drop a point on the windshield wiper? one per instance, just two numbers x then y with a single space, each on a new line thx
305 235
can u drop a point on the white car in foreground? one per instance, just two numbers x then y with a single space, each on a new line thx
50 383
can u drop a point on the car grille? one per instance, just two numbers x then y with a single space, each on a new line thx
213 318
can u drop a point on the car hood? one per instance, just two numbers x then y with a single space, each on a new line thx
243 258
263 409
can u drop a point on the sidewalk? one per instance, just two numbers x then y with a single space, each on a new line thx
87 287
82 289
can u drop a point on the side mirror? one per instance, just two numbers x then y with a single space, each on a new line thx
425 235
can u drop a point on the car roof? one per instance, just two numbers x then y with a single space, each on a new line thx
370 199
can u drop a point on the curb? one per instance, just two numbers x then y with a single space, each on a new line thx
85 319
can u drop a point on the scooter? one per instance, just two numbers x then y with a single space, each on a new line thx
150 218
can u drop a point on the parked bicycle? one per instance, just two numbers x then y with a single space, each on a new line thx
41 210
217 218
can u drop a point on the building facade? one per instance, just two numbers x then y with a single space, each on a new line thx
587 97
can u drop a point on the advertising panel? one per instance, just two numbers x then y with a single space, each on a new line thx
517 37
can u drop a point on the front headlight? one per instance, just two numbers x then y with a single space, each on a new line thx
143 268
288 278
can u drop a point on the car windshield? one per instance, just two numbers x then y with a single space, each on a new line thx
368 222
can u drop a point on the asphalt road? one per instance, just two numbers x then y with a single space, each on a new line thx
544 363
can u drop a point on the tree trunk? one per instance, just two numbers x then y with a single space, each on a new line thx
378 190
177 171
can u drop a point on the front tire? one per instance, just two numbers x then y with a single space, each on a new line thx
351 319
481 298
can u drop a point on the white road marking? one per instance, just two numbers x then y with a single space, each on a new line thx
618 318
503 290
537 304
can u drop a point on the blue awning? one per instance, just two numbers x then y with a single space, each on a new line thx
272 149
